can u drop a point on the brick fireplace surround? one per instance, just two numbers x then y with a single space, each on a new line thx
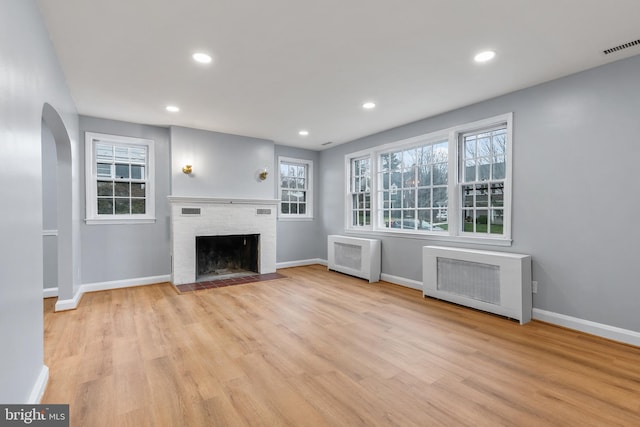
205 216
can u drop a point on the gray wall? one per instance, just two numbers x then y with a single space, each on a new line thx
30 77
128 251
224 165
49 208
300 240
575 147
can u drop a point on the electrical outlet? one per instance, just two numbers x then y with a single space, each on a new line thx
534 287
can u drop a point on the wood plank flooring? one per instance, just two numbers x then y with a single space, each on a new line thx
319 348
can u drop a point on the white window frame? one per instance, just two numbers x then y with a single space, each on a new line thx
308 164
350 209
91 177
455 232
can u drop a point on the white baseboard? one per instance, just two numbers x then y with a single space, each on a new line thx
50 292
413 284
605 331
71 304
39 387
301 263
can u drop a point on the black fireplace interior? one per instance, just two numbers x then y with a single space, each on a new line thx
224 256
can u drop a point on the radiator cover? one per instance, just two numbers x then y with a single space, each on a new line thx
496 282
354 256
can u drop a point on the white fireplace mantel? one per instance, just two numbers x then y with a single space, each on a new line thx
219 217
219 200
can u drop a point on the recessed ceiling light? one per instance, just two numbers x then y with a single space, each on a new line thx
369 105
485 56
172 109
202 58
303 133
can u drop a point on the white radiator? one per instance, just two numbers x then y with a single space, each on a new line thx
355 256
497 282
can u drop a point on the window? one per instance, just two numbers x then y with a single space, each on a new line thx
360 192
453 184
413 184
119 179
482 180
295 188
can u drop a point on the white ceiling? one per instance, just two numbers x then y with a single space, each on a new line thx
285 65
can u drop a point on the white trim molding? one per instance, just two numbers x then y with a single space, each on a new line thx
397 280
39 387
50 292
301 263
599 329
71 304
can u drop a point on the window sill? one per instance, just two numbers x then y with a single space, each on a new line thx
120 221
475 240
293 218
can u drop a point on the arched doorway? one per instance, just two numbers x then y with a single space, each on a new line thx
57 204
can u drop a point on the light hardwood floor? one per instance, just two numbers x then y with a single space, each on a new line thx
323 349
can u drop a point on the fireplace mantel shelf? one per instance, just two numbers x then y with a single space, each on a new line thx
220 200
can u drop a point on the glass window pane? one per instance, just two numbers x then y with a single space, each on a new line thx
302 171
424 198
440 174
104 152
301 183
484 146
293 208
385 181
105 188
484 168
302 208
284 169
498 167
469 148
285 208
482 195
409 198
468 193
137 172
122 154
440 197
481 220
122 171
500 142
137 190
496 221
497 195
424 155
469 170
285 196
138 206
138 155
123 207
424 175
121 189
441 152
105 206
104 170
409 158
396 180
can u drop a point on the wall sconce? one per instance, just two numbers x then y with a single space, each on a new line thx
187 169
263 174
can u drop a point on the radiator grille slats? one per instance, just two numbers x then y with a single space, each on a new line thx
470 279
348 255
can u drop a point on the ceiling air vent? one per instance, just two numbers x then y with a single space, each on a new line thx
622 46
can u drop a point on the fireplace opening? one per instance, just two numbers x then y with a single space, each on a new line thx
222 257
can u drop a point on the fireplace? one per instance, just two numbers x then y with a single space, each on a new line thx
222 257
195 217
